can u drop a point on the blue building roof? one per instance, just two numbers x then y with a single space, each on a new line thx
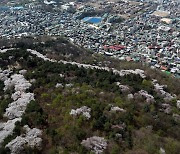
92 20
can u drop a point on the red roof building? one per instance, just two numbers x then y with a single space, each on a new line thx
115 47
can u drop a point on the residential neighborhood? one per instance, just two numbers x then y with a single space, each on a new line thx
133 30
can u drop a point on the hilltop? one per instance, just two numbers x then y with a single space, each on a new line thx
56 97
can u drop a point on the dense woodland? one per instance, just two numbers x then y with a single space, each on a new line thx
143 128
